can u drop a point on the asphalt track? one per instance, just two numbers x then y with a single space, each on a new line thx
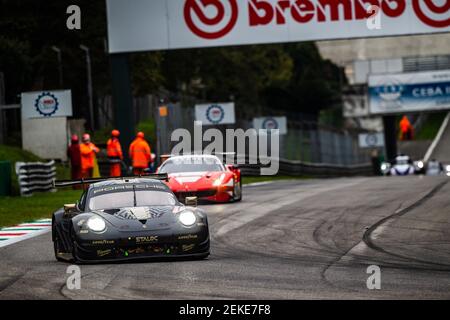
310 239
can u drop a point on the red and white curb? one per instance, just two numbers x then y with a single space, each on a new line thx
24 231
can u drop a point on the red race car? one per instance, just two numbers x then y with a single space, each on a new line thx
203 176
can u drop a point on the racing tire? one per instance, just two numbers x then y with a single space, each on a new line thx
237 191
57 245
74 246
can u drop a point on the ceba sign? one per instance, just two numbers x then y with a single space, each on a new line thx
409 92
170 24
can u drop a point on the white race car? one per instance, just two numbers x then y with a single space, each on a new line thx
434 168
402 166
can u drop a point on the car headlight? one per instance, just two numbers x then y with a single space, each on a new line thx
219 181
448 168
420 164
96 224
383 167
187 218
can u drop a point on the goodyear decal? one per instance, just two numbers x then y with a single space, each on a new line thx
102 242
23 231
187 237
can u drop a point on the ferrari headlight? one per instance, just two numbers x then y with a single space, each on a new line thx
187 218
219 181
96 224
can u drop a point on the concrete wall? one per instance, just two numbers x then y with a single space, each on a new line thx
45 137
344 51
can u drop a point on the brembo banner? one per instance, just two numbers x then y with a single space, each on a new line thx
143 25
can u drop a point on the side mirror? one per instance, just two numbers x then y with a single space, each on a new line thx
70 208
191 201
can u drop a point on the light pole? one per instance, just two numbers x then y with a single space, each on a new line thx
60 70
89 85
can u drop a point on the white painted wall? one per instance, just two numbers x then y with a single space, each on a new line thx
45 137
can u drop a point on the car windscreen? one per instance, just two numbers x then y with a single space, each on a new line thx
125 199
195 164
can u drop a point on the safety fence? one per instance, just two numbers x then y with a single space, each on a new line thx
305 141
35 177
299 168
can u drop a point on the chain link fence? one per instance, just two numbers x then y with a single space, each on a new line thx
305 141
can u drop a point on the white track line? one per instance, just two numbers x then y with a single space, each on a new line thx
257 184
28 233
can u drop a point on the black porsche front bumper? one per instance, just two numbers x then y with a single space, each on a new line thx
134 248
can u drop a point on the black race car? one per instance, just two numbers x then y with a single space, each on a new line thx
128 218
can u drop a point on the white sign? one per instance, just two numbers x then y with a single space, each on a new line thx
46 104
148 25
215 113
355 106
409 92
371 140
268 123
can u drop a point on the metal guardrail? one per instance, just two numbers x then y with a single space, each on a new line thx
35 176
293 168
299 168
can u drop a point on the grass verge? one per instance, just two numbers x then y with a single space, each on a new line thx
431 127
14 210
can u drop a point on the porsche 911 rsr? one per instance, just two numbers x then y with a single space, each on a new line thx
126 219
204 176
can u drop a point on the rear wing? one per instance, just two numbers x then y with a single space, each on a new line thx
69 183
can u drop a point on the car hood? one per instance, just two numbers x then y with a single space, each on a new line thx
154 217
194 178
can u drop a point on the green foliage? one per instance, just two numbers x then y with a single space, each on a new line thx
101 136
431 126
14 210
14 154
148 127
290 77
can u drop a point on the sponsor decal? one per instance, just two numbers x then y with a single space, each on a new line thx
146 239
46 104
102 242
187 237
421 7
194 10
187 247
265 12
215 113
102 253
129 187
270 124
